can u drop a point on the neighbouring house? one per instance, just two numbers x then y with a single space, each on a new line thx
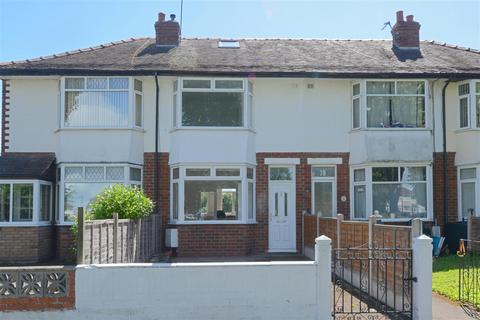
236 139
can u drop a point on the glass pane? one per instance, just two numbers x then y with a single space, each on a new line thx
118 83
356 89
94 173
250 110
356 113
276 204
4 202
464 112
22 202
250 173
227 172
468 198
385 174
96 109
137 85
175 86
470 173
196 84
359 202
322 199
281 173
175 173
251 198
395 112
138 110
413 174
319 172
477 87
478 110
174 112
97 83
215 109
380 87
74 83
359 175
116 174
463 89
285 203
80 195
135 174
212 200
190 172
175 201
73 173
45 202
395 200
229 84
410 87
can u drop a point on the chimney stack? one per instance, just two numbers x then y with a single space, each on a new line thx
167 32
406 34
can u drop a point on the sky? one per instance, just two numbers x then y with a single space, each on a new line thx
32 28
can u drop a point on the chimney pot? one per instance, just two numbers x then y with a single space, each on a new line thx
410 18
161 16
172 17
399 15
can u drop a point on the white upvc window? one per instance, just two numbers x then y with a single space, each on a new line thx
389 104
212 194
101 102
25 202
212 102
469 104
468 191
79 184
324 191
394 191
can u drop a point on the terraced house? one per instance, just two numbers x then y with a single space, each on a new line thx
236 139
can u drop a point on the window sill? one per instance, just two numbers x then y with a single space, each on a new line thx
212 129
100 129
463 130
209 222
24 224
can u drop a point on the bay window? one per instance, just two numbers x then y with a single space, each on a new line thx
212 103
80 184
101 102
469 105
212 194
389 104
468 192
25 202
394 192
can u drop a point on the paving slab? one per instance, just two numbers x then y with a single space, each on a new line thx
444 309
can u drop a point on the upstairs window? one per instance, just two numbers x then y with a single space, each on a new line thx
395 104
477 102
213 103
463 93
356 106
102 102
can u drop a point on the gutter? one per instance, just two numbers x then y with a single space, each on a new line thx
445 158
8 72
156 174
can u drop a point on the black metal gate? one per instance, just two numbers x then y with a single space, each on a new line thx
372 283
469 276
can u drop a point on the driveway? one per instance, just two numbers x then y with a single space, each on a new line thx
444 309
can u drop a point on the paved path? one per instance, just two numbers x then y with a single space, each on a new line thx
444 309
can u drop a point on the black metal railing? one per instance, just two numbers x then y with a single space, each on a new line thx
468 275
372 283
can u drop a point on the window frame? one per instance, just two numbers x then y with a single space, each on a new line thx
60 216
368 183
131 103
363 108
177 101
36 220
333 180
354 97
242 178
472 112
475 180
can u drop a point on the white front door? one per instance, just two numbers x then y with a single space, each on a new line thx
281 204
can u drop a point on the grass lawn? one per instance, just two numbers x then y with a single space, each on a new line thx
445 276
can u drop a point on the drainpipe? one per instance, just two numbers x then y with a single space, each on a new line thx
157 167
445 166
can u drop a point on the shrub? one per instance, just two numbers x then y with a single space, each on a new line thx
129 202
